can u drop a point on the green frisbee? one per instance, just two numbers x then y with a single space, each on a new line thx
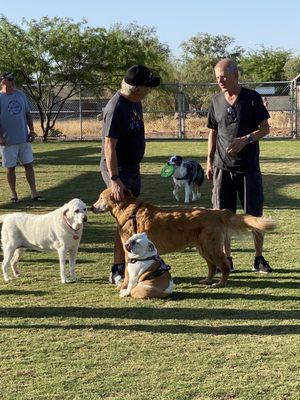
167 171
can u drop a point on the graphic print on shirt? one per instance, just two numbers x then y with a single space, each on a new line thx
14 107
136 122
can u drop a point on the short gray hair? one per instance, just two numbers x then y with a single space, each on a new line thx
229 65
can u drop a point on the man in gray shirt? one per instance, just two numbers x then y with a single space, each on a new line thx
15 139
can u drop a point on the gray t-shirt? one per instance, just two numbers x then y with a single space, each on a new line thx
123 120
13 122
231 121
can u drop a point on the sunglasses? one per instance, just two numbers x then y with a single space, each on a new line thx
10 79
231 115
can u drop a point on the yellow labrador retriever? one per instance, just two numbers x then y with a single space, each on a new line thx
180 228
59 230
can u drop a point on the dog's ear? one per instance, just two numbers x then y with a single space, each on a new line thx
151 246
178 160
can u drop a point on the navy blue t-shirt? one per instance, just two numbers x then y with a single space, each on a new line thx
231 121
123 120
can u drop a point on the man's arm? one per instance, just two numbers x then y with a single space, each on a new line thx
112 166
211 149
2 139
239 143
30 126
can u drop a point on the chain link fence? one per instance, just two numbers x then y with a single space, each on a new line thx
171 111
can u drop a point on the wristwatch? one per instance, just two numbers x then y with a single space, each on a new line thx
114 177
250 138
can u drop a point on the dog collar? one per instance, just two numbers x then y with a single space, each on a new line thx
75 237
134 260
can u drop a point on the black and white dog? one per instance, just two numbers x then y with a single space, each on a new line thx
188 174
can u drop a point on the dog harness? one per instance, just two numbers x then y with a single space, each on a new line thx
133 218
162 268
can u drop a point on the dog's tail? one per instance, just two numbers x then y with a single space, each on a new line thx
242 222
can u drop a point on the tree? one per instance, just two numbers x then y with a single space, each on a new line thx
292 68
52 57
264 65
200 55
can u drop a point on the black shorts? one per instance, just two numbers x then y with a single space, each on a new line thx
248 187
131 178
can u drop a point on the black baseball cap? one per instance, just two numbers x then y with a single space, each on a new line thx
6 75
139 75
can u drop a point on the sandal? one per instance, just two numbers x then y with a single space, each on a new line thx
14 200
38 198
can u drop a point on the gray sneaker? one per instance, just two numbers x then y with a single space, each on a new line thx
261 265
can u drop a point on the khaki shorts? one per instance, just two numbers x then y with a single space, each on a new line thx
14 153
227 186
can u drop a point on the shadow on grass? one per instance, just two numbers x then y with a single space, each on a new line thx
268 330
22 292
148 313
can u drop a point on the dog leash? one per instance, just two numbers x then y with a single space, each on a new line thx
75 237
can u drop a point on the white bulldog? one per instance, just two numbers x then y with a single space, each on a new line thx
148 275
59 230
188 174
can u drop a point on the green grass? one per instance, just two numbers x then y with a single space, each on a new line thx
82 341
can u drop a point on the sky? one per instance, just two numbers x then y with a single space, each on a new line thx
251 23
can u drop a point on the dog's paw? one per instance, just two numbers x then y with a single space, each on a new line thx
74 278
7 279
218 285
206 281
124 293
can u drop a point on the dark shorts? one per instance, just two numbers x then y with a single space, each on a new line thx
248 187
131 178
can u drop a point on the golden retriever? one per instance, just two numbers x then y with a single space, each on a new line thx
175 230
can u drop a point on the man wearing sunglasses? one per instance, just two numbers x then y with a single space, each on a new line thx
237 120
16 135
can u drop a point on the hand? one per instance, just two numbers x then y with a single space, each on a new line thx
209 171
117 190
31 136
236 146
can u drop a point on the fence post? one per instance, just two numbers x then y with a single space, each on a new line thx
181 112
80 113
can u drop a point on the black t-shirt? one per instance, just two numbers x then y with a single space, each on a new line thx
123 120
231 121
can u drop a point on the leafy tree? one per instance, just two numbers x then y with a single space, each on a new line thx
265 64
200 55
292 68
53 56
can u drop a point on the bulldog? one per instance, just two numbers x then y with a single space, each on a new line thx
148 275
188 174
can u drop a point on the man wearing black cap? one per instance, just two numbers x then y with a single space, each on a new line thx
123 144
16 135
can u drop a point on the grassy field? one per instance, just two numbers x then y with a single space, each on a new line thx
82 341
